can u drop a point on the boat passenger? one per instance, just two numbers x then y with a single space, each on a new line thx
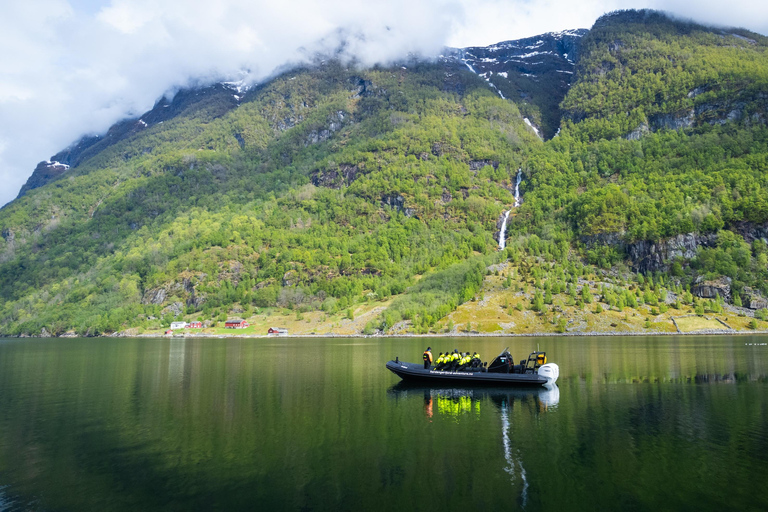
476 362
460 362
440 361
427 358
455 357
448 361
465 361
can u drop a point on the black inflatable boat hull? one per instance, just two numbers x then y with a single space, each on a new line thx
416 372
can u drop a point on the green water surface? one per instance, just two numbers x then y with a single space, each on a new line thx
636 423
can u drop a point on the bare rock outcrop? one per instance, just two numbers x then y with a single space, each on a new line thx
752 299
156 296
648 256
711 289
176 308
321 134
397 202
476 165
335 178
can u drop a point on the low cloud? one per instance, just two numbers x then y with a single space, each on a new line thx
74 67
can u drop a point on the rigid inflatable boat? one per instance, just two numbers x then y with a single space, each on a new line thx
534 371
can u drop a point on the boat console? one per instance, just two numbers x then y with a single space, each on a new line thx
536 363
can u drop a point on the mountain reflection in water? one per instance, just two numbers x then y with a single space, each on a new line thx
641 423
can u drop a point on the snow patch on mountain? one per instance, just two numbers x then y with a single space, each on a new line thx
54 163
239 86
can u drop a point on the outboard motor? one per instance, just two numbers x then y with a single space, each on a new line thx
549 371
502 363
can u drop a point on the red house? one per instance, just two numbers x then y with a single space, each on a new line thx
235 324
279 331
195 325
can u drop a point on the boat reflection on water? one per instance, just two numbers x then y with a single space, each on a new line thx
459 400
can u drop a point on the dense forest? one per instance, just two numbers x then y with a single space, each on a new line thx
331 186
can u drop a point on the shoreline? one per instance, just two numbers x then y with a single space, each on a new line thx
429 335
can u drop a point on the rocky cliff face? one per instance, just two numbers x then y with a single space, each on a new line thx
747 110
712 289
528 56
752 299
536 71
343 175
751 231
650 256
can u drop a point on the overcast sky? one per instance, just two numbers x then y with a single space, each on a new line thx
72 67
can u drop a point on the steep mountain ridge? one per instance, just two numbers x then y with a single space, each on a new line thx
205 103
534 72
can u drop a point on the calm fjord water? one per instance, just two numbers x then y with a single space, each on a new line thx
656 423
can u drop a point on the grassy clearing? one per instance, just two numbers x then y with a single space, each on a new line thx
698 323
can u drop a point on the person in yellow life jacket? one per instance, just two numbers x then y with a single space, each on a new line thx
427 358
476 362
440 361
455 356
464 361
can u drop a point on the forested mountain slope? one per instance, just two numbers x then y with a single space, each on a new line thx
664 135
643 71
322 184
330 186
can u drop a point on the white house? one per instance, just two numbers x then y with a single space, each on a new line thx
178 325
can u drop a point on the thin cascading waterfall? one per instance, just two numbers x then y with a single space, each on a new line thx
503 232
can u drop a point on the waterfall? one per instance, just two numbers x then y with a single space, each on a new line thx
502 238
503 232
